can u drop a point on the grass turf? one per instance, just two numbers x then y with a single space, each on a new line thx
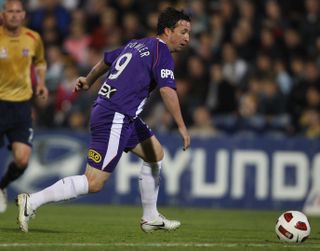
104 227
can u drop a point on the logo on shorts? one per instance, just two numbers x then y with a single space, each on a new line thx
94 155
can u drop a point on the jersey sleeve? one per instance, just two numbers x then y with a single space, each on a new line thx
163 67
110 56
39 57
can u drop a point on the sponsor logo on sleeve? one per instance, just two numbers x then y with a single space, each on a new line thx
166 73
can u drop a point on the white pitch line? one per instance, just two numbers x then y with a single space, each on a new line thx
190 244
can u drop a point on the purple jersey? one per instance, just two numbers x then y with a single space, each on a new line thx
136 69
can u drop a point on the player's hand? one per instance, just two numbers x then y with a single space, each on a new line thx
42 92
185 137
81 84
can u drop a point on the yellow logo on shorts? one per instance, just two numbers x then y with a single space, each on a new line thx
94 155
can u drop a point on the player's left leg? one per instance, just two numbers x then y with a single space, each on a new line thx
150 150
21 154
17 124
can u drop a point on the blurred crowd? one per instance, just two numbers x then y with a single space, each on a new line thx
252 67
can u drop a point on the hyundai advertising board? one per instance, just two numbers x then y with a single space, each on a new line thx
223 172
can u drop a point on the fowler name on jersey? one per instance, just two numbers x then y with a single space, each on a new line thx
142 48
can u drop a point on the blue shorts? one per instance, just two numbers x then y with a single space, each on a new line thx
112 133
16 122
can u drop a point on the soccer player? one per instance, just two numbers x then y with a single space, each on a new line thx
134 71
20 48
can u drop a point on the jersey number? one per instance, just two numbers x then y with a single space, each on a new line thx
121 63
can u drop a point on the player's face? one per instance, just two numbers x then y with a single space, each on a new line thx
13 15
180 36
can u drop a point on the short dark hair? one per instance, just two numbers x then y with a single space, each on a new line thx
169 18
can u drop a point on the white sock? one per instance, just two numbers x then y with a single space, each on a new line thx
149 181
64 189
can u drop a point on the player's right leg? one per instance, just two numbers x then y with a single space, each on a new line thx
25 212
65 189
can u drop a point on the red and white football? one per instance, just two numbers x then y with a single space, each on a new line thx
293 226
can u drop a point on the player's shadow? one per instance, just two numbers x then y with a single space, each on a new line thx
314 238
34 230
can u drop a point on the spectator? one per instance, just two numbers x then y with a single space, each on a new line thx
55 67
234 68
197 74
221 96
249 119
199 16
272 106
76 43
54 9
298 95
131 27
243 40
102 33
310 24
64 96
248 40
283 78
310 123
293 44
202 123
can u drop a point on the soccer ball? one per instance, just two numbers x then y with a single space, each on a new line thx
293 226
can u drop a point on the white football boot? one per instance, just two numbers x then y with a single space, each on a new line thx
3 200
161 223
25 212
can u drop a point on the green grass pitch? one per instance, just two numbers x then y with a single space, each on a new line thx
69 226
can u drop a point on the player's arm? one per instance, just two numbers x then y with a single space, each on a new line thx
41 89
40 68
163 74
171 101
84 83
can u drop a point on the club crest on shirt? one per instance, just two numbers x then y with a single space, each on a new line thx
3 52
25 52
